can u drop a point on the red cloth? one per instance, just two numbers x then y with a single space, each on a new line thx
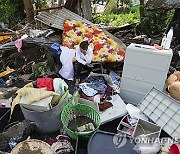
45 82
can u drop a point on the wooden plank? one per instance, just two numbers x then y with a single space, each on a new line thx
49 8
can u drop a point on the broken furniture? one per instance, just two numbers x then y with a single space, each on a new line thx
141 128
147 129
116 111
125 127
162 110
144 67
97 66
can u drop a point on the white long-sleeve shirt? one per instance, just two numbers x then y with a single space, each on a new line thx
83 59
66 58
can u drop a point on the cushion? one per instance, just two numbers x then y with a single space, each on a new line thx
104 48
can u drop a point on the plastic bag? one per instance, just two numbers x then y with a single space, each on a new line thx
143 148
133 111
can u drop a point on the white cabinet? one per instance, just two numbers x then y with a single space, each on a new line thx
144 67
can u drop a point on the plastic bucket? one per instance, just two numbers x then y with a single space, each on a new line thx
47 121
32 146
175 149
70 110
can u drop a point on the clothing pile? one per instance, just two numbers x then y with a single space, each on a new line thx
96 89
35 92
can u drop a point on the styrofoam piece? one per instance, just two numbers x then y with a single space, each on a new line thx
163 110
116 111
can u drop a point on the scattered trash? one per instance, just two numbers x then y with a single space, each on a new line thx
15 134
36 33
42 101
18 44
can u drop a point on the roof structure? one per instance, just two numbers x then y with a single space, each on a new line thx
166 3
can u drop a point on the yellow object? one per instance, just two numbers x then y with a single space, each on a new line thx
6 72
33 95
2 38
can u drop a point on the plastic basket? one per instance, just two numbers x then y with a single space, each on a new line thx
70 110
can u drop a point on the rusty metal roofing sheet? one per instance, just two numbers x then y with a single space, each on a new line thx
57 18
166 3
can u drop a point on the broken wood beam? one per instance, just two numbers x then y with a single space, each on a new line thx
49 8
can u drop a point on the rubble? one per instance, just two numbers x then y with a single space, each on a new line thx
35 57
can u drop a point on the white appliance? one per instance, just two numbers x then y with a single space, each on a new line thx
144 68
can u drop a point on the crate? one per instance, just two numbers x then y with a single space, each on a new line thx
124 127
147 129
163 110
12 77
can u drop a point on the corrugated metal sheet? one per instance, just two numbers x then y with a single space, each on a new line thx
56 19
166 3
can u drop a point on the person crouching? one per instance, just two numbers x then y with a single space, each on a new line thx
84 56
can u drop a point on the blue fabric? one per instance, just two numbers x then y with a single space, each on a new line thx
97 83
56 47
88 90
115 78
